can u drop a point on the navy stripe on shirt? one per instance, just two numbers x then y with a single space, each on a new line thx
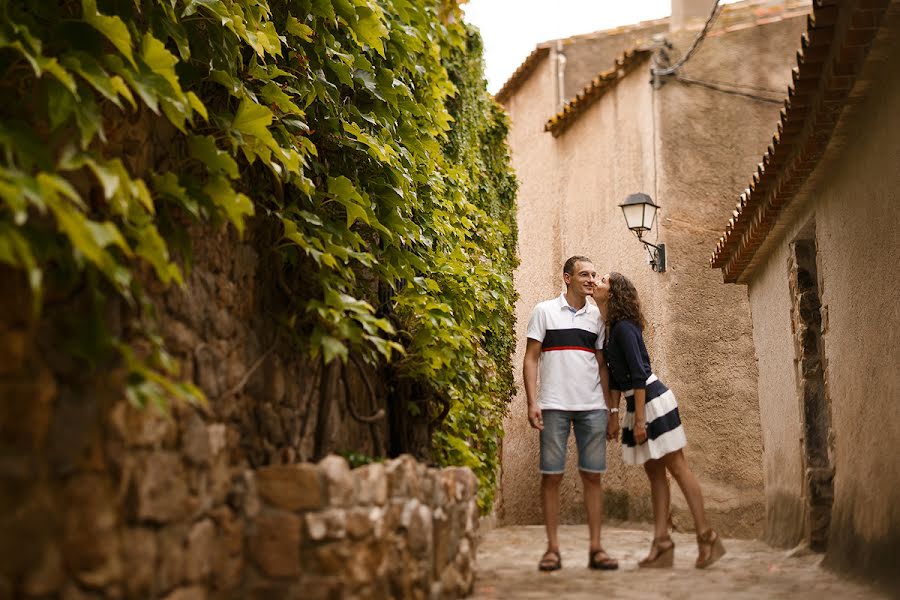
569 339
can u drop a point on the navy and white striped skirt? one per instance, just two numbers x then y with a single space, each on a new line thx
664 431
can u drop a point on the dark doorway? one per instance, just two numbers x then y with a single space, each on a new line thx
815 406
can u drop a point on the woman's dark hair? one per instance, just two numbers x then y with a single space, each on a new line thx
623 302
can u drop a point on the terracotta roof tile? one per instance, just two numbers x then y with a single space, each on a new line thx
522 73
830 57
736 16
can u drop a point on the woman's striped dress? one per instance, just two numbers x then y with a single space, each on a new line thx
629 368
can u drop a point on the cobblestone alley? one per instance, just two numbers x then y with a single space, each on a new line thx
507 559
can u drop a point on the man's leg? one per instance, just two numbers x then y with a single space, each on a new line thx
593 503
590 433
550 504
553 465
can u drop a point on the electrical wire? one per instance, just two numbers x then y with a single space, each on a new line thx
687 55
719 87
754 88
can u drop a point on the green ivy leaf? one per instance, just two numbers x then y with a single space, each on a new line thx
161 61
333 348
235 205
253 119
370 27
197 104
151 247
16 252
113 28
273 94
304 32
87 67
60 104
204 149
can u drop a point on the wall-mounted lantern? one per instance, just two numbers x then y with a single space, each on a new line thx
640 213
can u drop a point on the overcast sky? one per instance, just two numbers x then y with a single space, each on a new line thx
512 28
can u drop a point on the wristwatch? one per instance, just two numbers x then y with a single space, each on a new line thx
614 410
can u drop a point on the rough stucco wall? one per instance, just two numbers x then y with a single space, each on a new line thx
709 143
699 335
858 228
779 405
533 158
586 56
852 189
601 169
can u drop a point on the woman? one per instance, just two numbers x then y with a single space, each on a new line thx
652 434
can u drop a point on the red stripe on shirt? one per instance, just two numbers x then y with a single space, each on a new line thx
567 348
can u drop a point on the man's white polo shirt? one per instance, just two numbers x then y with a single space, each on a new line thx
569 374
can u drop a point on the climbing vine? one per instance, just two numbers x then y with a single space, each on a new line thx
359 128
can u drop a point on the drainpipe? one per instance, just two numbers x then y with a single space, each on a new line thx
560 76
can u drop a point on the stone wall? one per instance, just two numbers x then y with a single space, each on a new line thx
99 499
392 530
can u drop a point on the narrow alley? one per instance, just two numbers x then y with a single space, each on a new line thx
507 557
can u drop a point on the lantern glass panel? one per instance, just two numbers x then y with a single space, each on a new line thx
634 216
649 216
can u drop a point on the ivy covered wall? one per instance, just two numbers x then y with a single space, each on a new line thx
358 132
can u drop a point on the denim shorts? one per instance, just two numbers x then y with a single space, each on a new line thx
590 437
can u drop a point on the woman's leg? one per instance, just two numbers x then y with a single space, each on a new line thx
678 467
659 497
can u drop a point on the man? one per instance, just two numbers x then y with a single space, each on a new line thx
565 340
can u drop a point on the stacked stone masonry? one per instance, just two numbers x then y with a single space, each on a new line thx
103 500
384 530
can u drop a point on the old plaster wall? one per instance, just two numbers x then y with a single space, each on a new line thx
600 170
690 148
708 144
587 55
851 197
862 331
538 277
776 357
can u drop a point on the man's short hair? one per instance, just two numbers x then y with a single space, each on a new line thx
569 267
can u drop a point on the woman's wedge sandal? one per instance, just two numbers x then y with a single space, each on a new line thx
550 561
709 549
599 559
662 554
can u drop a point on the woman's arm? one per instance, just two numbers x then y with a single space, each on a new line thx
632 340
612 429
640 417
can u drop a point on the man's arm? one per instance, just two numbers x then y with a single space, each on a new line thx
612 425
529 374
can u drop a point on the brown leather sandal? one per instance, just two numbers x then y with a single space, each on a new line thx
550 561
709 548
604 562
662 554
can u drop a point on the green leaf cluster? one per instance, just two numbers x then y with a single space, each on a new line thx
359 129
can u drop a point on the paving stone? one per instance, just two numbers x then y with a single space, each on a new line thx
508 557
